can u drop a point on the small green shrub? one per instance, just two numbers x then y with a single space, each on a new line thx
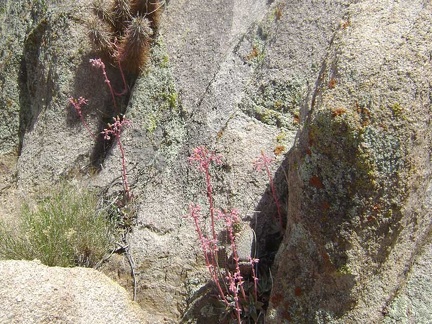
63 229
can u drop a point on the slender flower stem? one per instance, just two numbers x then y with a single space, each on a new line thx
231 218
203 159
210 200
115 130
125 89
77 104
97 63
253 262
233 288
208 248
124 173
274 194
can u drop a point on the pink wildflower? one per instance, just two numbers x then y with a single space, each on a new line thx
115 130
203 158
263 162
77 104
97 63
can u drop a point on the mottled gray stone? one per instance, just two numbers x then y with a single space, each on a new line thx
359 172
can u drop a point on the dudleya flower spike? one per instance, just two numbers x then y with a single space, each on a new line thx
230 284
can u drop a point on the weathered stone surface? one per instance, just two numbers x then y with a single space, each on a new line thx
190 95
359 174
241 77
56 65
14 21
33 293
170 115
413 300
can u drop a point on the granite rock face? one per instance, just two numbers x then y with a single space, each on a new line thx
359 173
338 90
14 22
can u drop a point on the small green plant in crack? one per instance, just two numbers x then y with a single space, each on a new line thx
65 228
171 98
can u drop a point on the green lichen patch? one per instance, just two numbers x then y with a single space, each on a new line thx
275 103
396 109
155 105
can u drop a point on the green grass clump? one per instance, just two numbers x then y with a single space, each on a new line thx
63 229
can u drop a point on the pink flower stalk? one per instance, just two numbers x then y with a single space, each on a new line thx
114 130
264 162
234 290
97 63
230 219
209 248
232 281
126 87
202 158
77 104
253 262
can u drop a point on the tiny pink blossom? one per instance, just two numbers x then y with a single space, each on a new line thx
97 63
263 162
77 104
238 277
253 261
194 211
115 128
231 281
202 157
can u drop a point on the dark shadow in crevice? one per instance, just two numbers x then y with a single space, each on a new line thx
33 95
205 306
332 283
266 224
268 228
90 84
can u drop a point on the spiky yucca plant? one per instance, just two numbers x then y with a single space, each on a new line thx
149 9
135 45
102 11
101 36
123 30
121 15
